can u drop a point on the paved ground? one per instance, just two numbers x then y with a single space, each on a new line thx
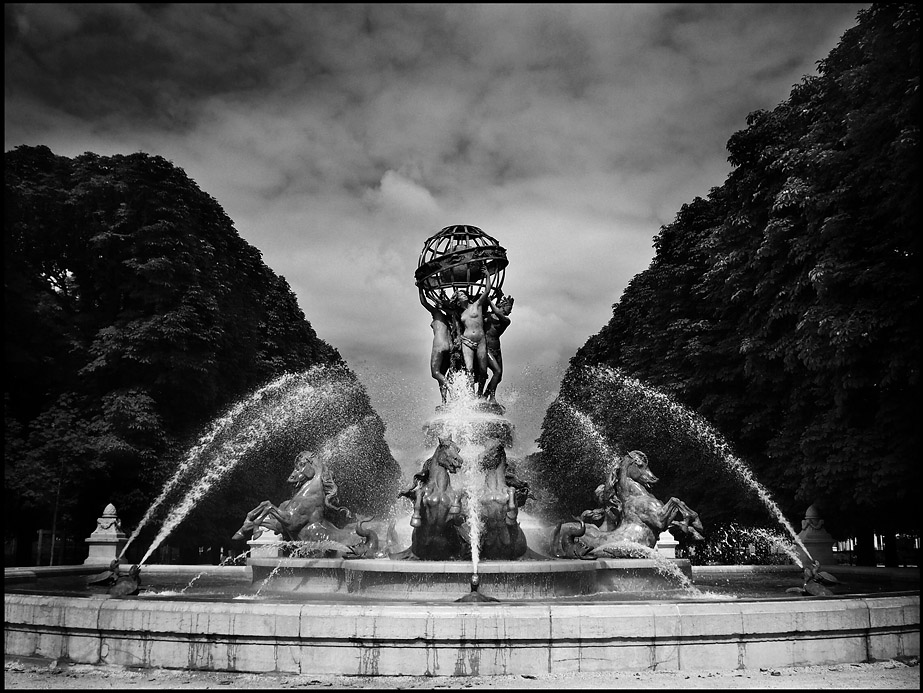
35 673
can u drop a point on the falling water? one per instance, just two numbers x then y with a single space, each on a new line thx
301 398
460 419
230 560
589 428
663 565
296 550
219 426
696 426
775 541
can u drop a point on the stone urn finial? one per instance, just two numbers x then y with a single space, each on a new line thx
107 540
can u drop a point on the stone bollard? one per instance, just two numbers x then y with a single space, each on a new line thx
815 538
107 540
666 545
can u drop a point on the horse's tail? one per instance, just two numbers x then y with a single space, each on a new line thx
370 536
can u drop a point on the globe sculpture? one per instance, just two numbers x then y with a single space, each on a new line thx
451 261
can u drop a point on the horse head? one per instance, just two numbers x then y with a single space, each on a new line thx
447 455
638 469
305 469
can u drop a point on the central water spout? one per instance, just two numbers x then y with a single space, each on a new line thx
474 595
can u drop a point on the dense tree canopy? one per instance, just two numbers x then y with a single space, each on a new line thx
135 314
783 309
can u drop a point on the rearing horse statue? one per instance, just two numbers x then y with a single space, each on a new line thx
302 517
502 538
641 517
436 507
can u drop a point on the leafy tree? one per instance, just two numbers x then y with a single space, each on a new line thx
784 307
135 314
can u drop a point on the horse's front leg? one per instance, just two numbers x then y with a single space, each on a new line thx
417 519
253 520
512 510
690 524
280 521
455 505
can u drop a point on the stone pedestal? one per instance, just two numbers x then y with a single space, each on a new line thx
817 540
666 545
107 540
267 546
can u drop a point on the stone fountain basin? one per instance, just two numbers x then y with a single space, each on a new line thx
368 636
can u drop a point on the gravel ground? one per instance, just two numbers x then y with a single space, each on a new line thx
35 673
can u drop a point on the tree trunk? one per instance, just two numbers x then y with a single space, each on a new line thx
891 560
865 548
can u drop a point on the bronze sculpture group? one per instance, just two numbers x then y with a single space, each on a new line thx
466 336
460 279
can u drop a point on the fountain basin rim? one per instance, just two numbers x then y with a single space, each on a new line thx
908 572
31 573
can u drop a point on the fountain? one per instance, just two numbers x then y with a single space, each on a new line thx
471 591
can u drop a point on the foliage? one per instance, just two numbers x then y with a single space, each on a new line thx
134 314
784 308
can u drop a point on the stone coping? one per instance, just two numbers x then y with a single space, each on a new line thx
907 573
20 573
31 573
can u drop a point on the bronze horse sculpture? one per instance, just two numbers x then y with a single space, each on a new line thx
436 507
627 499
304 516
502 537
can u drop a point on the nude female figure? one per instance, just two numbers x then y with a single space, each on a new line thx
470 325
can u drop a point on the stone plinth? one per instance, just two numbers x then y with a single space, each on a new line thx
666 545
266 546
107 540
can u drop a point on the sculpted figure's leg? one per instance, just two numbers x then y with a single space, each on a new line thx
495 364
481 372
438 365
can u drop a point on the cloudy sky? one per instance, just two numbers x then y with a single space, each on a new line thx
338 138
